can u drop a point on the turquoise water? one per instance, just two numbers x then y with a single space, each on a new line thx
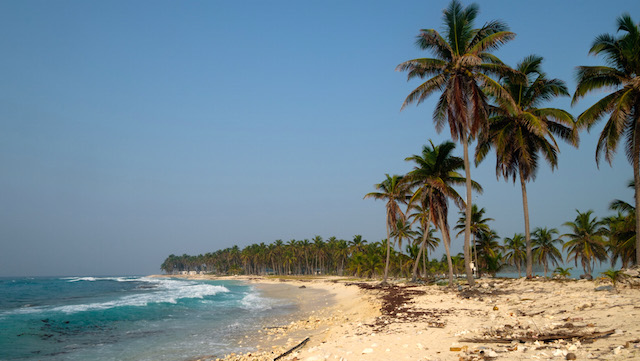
127 318
575 272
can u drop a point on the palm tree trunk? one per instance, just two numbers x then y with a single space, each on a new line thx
414 274
447 248
475 256
386 266
467 223
527 235
424 262
636 180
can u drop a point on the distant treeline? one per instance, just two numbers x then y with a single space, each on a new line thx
334 256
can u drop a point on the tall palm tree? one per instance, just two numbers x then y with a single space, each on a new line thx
544 249
394 191
586 241
460 69
434 175
521 131
515 249
622 74
478 225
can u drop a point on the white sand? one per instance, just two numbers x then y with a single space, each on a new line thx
433 324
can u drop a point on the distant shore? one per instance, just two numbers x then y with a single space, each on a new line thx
500 319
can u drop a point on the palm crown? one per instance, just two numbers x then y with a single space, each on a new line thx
462 62
520 129
622 73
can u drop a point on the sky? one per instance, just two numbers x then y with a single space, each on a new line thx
131 130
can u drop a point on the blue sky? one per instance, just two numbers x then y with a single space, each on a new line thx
133 130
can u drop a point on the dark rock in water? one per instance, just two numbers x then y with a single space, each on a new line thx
303 286
586 277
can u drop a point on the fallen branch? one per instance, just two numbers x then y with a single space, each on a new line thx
292 349
542 338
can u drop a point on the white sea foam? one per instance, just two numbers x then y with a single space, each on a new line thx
253 301
166 291
93 279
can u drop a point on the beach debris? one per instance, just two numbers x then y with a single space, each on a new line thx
292 349
529 336
571 356
604 288
367 350
397 307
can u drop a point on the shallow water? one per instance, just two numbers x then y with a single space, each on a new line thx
128 318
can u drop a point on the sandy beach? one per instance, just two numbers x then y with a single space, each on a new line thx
499 319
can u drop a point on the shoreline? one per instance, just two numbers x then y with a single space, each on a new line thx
500 319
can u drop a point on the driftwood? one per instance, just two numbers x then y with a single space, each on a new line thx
292 349
542 338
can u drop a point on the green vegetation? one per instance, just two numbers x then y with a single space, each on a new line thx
503 109
613 276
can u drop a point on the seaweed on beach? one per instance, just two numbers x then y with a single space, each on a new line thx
397 306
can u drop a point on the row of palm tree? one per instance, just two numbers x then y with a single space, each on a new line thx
589 240
484 99
293 257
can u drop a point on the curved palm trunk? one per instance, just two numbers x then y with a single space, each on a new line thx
414 272
414 275
527 235
636 180
447 248
386 266
467 223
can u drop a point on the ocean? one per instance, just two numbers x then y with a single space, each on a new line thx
129 318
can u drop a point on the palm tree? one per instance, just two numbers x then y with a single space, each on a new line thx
544 247
357 244
488 248
521 131
403 231
478 225
435 174
622 232
586 242
394 191
515 251
622 74
356 263
622 237
460 69
425 233
562 272
614 276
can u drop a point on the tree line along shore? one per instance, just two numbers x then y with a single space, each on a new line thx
502 110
